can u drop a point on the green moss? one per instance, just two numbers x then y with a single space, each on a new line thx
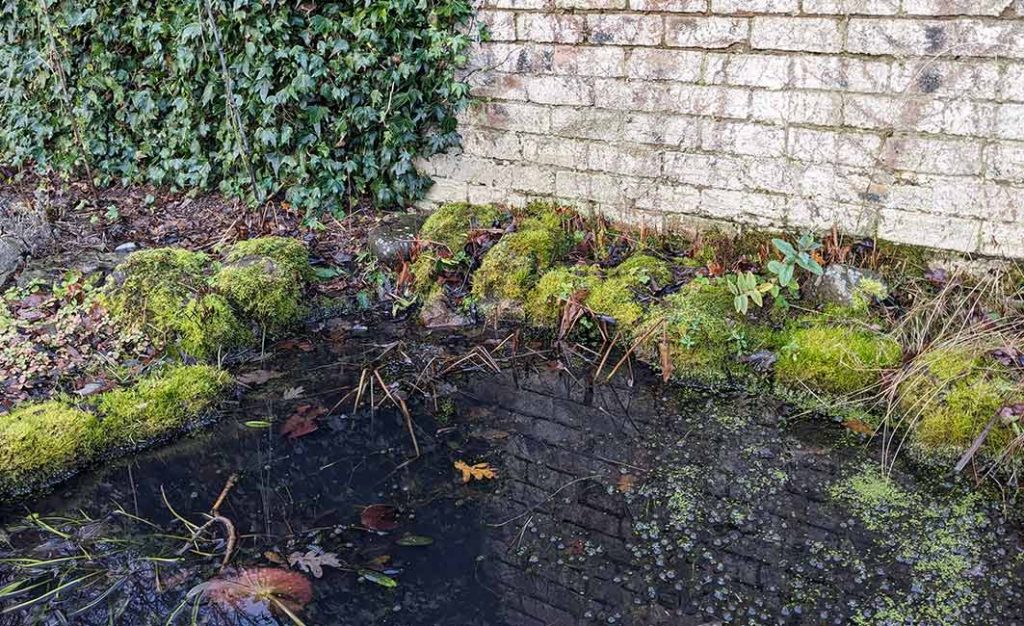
514 265
703 329
616 298
950 394
287 253
153 288
209 325
544 303
41 440
161 403
868 291
835 359
263 291
643 268
450 224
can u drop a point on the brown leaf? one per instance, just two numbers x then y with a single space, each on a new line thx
859 426
257 377
302 421
479 471
379 517
626 483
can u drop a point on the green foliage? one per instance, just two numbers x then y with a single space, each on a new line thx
263 291
449 227
800 256
43 439
161 403
287 253
323 100
544 303
746 288
836 359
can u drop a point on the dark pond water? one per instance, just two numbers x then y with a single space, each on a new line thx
624 502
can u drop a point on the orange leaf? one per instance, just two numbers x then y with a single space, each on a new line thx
859 426
626 483
479 471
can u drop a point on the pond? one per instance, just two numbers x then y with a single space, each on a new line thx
627 501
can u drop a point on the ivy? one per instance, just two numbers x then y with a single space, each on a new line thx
325 102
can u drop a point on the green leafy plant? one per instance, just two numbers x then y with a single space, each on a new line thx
746 288
325 102
800 256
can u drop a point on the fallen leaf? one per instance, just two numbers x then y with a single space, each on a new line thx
489 434
255 591
313 561
479 471
293 393
274 557
859 426
257 377
89 389
626 483
376 577
302 421
379 517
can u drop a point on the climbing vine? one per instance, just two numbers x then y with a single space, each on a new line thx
324 102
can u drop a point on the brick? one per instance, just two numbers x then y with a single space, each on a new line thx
756 70
797 107
678 6
586 60
522 5
755 6
672 198
827 146
530 178
590 4
956 7
743 138
822 215
758 209
587 123
1001 239
621 158
852 7
551 27
944 79
705 32
809 34
444 190
929 230
661 64
965 37
672 97
511 116
500 24
1013 83
667 130
625 29
547 150
498 85
495 144
932 156
568 90
1010 122
1005 161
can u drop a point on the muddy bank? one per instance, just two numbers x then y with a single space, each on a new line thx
631 502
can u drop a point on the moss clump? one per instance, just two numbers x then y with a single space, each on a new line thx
642 268
703 329
208 325
950 394
544 303
615 298
867 292
41 440
160 404
264 291
154 286
450 224
514 265
289 254
836 359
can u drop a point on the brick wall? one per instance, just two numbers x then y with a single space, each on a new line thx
898 118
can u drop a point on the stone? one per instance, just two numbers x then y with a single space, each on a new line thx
391 241
23 231
436 314
839 285
126 248
10 258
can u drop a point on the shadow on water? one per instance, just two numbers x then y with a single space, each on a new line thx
615 503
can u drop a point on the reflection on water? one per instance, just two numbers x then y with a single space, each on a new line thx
642 504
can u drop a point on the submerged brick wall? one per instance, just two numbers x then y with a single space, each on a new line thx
898 118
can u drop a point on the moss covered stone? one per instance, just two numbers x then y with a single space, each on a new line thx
450 224
948 396
835 359
209 325
642 268
287 253
262 291
514 265
161 403
544 303
41 440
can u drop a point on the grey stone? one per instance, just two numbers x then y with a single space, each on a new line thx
10 258
435 314
838 284
391 241
126 248
24 231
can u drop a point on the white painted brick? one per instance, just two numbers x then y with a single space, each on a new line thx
932 156
498 85
827 146
1001 239
587 123
677 6
955 7
551 27
677 131
705 32
522 5
501 25
1013 83
510 116
495 144
548 150
479 194
743 138
672 198
591 4
568 90
530 178
444 190
755 6
625 29
944 79
797 107
1010 122
810 34
621 158
852 7
821 215
758 209
964 37
929 230
1004 160
587 60
756 70
661 64
840 74
672 97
